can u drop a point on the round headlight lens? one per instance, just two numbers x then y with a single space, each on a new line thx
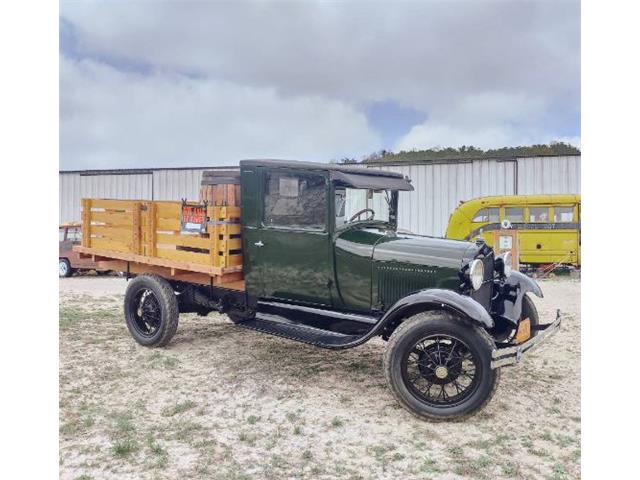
476 273
506 258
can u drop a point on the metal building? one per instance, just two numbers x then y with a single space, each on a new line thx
439 186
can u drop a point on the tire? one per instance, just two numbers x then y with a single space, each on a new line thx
529 310
426 327
64 268
151 310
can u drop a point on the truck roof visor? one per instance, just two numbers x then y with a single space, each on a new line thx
374 182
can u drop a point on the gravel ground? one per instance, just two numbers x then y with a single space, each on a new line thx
224 402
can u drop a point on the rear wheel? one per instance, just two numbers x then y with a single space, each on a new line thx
64 268
151 310
439 367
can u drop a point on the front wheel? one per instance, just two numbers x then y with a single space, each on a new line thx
151 310
439 367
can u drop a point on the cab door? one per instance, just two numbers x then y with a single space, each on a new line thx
292 242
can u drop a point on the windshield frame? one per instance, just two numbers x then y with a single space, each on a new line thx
390 224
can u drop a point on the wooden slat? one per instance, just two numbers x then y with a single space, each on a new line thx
118 234
168 224
184 240
107 244
180 255
112 218
126 205
169 209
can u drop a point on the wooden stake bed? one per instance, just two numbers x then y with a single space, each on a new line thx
145 237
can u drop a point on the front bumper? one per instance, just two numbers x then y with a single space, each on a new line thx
509 355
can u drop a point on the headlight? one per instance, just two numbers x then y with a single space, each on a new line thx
476 273
506 258
503 264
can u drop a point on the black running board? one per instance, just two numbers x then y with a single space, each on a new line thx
279 326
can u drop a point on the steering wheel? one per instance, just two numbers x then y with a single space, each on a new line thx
364 210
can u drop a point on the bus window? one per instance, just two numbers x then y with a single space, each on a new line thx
487 215
563 214
538 214
514 214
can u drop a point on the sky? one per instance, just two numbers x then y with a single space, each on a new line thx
196 83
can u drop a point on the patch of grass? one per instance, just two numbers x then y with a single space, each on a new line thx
69 316
248 438
297 430
559 472
159 454
511 469
538 452
337 422
83 477
124 448
307 455
178 408
170 362
456 452
124 425
429 466
252 420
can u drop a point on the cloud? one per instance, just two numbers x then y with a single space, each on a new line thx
110 118
479 71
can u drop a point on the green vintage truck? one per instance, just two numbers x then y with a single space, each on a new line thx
322 263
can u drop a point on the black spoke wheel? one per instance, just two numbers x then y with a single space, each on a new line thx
146 318
151 310
441 370
439 366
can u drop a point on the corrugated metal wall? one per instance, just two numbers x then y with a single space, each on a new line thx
439 187
74 187
176 184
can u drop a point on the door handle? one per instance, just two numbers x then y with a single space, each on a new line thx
259 243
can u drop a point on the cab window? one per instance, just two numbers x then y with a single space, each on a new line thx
61 230
73 234
295 200
538 214
487 215
563 214
514 214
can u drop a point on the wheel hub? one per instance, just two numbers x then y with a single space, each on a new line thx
442 372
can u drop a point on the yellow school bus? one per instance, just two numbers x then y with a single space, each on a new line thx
548 225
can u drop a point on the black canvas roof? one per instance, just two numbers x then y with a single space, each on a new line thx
358 177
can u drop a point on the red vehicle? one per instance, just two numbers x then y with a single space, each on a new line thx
70 261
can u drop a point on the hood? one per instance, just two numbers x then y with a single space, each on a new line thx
428 251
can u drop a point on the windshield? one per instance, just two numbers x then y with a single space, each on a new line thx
358 204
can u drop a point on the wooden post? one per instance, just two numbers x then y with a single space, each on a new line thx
151 229
213 236
86 222
136 232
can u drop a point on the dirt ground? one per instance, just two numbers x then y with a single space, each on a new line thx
224 402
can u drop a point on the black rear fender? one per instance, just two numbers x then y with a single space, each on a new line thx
436 299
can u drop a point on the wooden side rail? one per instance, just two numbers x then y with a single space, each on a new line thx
149 232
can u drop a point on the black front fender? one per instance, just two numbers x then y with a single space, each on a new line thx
438 299
508 303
